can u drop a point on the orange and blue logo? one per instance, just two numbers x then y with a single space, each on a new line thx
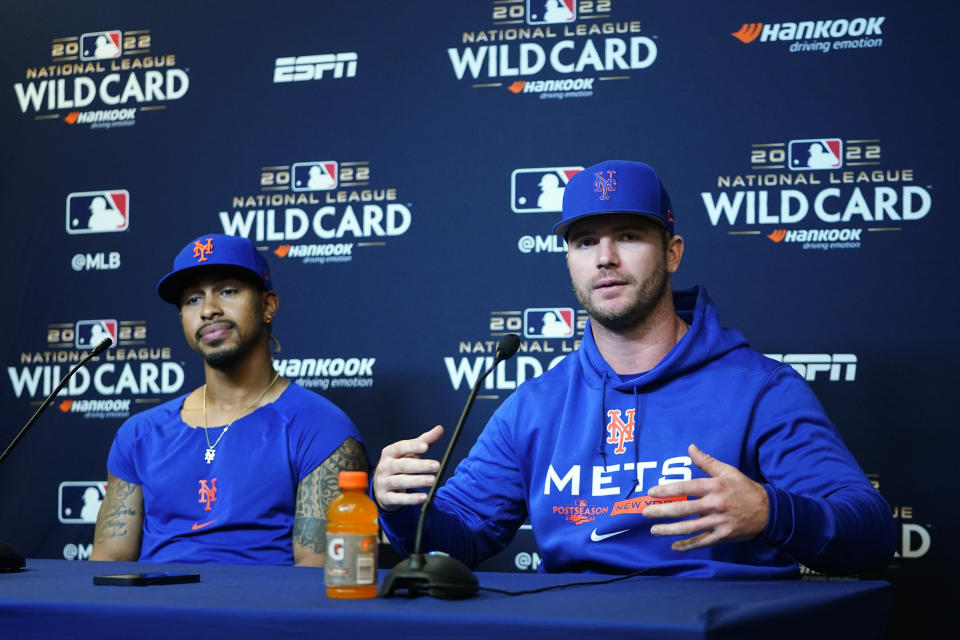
619 431
580 512
208 493
202 250
604 185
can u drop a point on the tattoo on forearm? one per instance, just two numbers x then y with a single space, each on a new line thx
318 490
119 506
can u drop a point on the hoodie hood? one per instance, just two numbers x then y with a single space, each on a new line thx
705 341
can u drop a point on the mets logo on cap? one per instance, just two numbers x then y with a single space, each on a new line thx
202 250
604 185
615 186
213 249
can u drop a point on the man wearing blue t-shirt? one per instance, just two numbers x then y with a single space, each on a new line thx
242 469
664 443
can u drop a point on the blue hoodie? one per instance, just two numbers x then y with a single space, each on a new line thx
576 449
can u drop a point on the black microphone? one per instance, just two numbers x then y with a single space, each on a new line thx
10 560
441 575
97 350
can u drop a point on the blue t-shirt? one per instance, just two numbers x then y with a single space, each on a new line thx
238 509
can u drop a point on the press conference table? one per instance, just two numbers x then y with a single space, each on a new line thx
57 599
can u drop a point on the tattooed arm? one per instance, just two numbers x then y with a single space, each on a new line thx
119 522
314 495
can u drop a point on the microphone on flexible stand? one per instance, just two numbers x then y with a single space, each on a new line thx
10 560
441 575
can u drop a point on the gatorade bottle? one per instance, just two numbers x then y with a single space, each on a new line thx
352 533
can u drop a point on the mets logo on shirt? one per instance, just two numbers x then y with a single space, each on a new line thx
90 333
315 176
101 45
552 322
817 153
539 190
98 211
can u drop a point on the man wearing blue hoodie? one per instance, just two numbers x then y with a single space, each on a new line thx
663 443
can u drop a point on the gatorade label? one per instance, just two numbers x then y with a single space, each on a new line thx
351 560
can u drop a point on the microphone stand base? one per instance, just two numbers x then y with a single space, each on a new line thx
10 560
439 575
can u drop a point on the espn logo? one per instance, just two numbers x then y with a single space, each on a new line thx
303 68
539 190
816 153
837 366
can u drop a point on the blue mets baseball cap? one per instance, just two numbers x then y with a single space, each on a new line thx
213 250
615 186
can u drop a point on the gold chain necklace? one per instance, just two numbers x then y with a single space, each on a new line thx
211 452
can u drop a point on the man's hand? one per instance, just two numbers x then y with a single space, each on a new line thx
731 506
401 468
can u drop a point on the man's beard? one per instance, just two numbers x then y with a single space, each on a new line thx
227 358
649 294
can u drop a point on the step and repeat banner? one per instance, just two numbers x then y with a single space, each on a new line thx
400 166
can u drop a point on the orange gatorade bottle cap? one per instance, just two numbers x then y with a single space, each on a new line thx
352 479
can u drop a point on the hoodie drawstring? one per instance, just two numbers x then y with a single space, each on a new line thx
601 449
636 441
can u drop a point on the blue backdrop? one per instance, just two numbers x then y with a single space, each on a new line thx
398 164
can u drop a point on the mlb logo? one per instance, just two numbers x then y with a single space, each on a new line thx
98 211
551 11
817 153
554 322
79 501
90 333
539 190
315 176
100 45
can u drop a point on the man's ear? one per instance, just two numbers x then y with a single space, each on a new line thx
674 253
271 302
